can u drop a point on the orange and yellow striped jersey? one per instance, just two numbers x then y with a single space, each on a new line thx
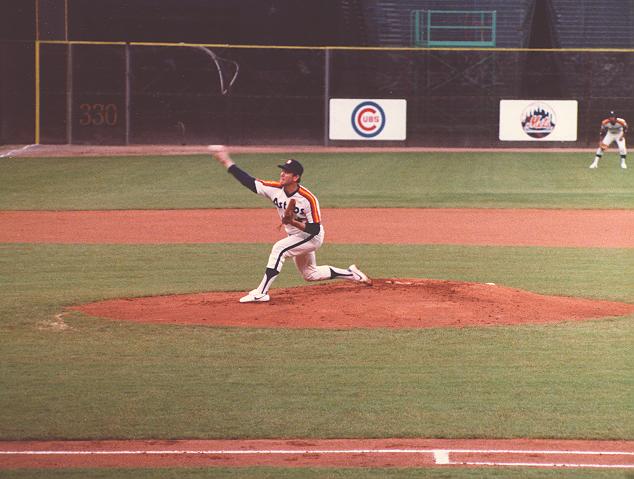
306 204
620 126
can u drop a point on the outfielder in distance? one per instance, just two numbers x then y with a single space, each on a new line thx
299 212
613 129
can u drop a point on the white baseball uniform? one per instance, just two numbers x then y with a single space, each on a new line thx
299 245
612 132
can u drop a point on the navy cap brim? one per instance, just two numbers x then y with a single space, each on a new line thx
291 169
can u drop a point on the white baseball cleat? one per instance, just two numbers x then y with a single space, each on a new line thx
623 165
359 275
255 297
594 165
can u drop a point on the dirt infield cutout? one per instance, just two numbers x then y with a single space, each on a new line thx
321 453
389 303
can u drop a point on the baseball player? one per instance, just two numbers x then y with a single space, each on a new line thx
613 129
299 211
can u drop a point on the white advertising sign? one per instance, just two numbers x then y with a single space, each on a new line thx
538 120
358 119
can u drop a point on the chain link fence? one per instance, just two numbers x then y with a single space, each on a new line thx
118 93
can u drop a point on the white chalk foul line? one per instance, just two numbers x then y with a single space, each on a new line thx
548 451
439 452
227 452
440 456
17 150
544 464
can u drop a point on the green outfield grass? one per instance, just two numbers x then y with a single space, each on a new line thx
90 378
481 180
111 379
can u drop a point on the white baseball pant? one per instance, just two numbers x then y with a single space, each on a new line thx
302 249
610 138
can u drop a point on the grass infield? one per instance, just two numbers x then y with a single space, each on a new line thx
89 378
417 180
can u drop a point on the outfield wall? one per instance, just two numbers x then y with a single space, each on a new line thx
135 93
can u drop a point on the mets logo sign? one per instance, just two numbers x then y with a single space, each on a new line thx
368 119
538 120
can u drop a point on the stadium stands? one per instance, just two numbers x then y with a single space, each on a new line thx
591 24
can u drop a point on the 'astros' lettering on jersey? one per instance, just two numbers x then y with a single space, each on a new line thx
615 128
306 204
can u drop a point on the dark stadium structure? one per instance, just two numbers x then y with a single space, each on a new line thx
262 71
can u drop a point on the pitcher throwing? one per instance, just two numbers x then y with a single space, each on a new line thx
302 221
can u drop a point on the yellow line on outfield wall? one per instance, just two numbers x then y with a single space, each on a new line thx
79 42
346 48
37 93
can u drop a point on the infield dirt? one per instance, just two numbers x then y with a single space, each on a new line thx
388 303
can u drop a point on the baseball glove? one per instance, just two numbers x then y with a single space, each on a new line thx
289 212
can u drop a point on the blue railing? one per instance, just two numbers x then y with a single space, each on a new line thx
453 28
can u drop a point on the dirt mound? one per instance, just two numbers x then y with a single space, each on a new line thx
389 303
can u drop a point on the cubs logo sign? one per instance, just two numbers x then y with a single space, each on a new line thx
538 120
368 119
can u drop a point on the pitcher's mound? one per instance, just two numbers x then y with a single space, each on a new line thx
389 303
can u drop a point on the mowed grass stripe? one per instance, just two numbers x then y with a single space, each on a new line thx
67 274
422 180
101 379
